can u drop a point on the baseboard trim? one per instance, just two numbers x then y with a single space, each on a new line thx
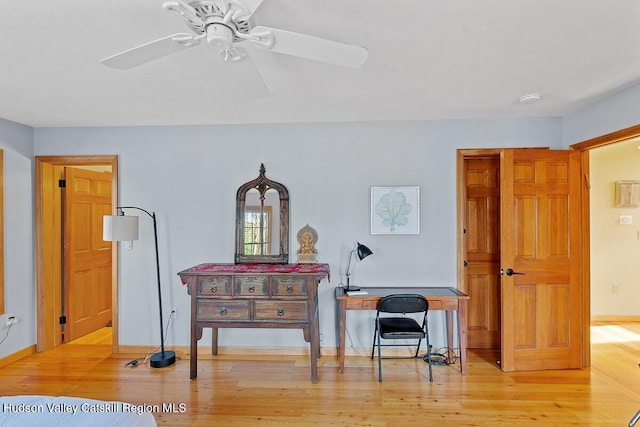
204 352
615 318
17 355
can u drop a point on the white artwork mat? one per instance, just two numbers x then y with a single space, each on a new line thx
395 210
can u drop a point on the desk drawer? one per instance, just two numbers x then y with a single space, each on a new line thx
251 286
214 285
290 286
280 310
210 309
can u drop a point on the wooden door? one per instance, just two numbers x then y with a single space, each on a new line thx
87 258
482 250
541 309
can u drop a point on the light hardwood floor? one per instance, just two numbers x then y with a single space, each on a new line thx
255 390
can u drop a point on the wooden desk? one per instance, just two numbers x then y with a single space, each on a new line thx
254 296
440 298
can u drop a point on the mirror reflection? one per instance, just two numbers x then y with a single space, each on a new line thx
262 221
261 232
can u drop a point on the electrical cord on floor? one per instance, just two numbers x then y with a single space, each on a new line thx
441 355
143 360
7 334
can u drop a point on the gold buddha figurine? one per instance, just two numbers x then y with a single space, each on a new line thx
307 238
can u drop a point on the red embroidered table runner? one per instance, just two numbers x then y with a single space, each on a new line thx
211 268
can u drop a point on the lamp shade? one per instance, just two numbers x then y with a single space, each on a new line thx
363 251
120 228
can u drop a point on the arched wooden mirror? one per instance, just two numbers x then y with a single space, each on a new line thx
262 222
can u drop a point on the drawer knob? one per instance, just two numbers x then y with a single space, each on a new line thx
223 311
290 288
252 288
214 288
280 311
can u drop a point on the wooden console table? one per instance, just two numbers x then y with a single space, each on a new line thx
440 298
254 296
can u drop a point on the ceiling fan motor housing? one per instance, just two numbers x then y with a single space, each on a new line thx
220 35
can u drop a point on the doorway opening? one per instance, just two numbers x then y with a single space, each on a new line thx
51 244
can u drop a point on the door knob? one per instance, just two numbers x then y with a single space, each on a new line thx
510 272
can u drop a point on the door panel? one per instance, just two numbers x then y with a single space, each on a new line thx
87 278
482 251
540 241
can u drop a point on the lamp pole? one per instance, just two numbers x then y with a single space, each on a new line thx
348 274
164 358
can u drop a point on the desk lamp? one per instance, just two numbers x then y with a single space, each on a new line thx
363 252
125 228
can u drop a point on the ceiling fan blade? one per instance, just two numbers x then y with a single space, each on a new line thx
310 47
244 70
249 5
150 51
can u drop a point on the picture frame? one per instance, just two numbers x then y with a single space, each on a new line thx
627 194
395 210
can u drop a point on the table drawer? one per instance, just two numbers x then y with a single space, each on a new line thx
209 309
290 286
214 285
251 286
280 310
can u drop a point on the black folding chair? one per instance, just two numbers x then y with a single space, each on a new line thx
393 324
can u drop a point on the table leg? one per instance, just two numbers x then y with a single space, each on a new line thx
314 347
449 321
462 335
214 341
342 324
196 334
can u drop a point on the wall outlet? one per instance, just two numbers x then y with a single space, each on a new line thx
10 319
175 313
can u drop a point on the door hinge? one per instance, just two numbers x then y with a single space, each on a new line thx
63 320
62 183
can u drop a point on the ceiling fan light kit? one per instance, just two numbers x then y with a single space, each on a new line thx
227 23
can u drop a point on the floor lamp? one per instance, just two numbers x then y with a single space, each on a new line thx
125 228
363 252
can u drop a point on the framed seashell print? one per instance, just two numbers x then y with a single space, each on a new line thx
395 210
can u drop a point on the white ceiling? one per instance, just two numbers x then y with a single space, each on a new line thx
428 59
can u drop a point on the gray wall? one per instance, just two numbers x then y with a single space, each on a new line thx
616 112
189 177
17 143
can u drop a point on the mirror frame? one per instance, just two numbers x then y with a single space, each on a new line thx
262 184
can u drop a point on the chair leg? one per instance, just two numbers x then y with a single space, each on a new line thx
373 346
429 357
418 348
379 359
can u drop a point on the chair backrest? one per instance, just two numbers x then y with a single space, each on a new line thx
403 303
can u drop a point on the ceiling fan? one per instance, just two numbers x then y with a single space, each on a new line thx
227 24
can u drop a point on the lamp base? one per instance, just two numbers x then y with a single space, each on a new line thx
163 359
351 288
